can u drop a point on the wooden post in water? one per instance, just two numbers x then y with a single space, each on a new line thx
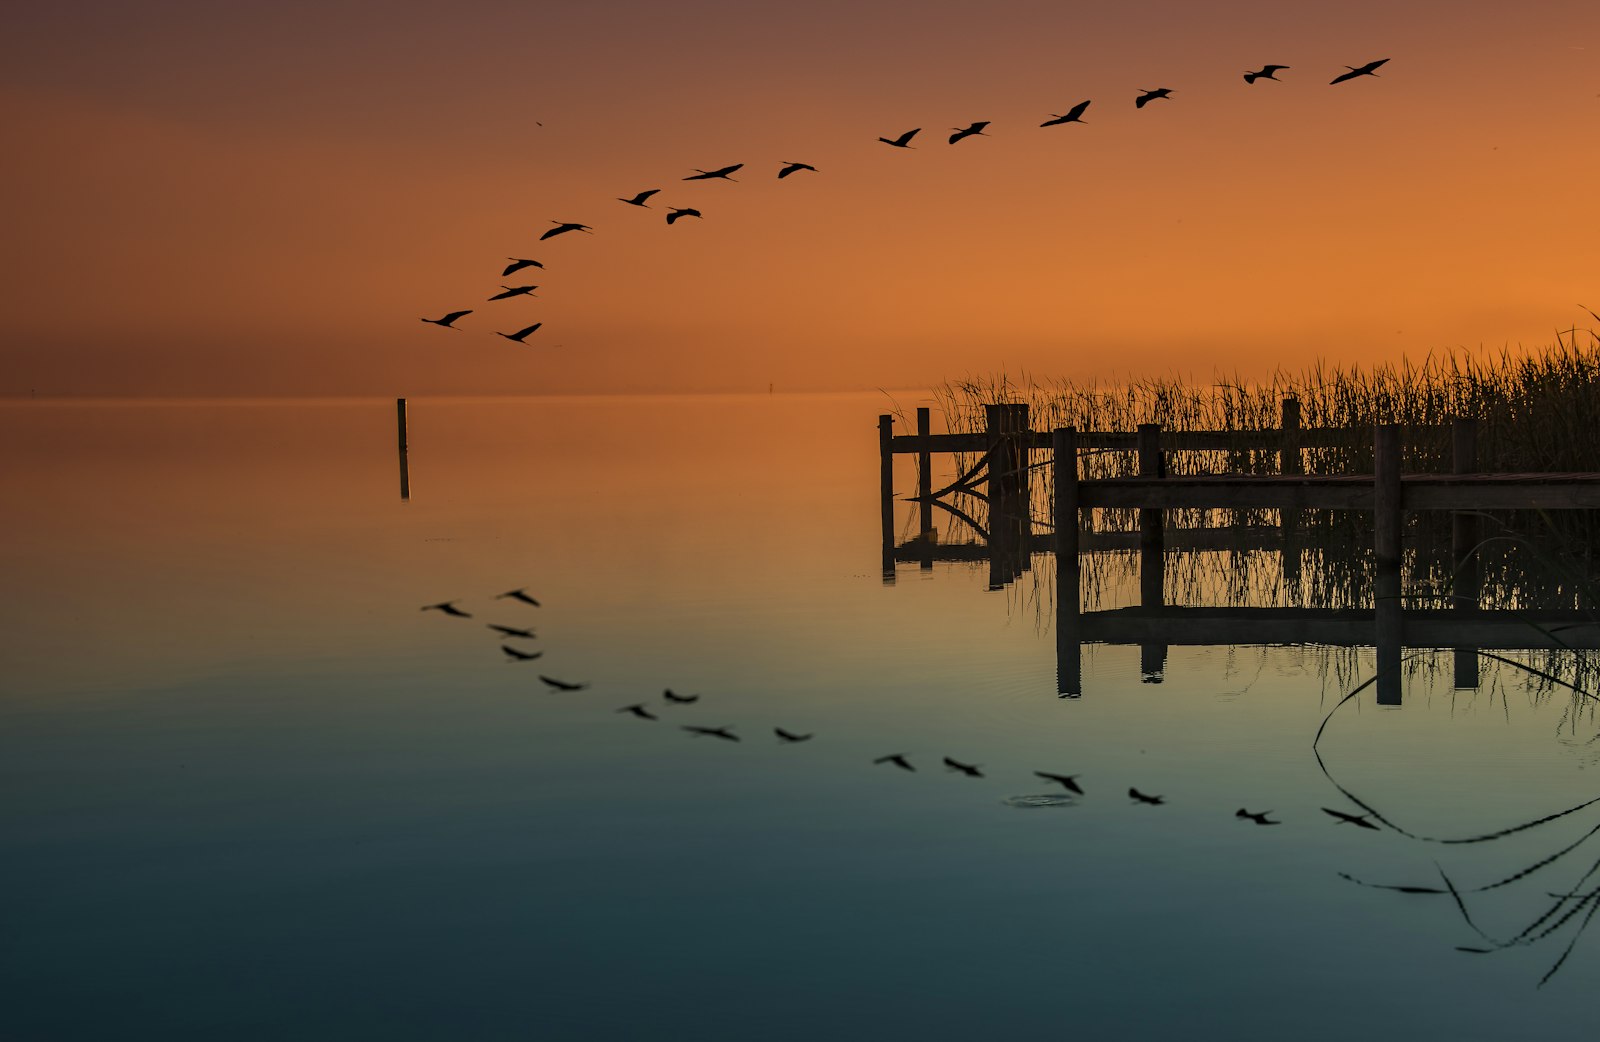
925 487
994 419
1290 464
1152 535
1064 515
1463 545
1022 488
1152 540
886 491
405 461
1387 560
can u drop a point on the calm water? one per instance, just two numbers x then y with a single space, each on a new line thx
249 791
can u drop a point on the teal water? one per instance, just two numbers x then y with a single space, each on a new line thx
252 792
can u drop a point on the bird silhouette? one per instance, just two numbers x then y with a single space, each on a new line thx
1073 115
898 759
517 264
520 336
561 228
448 320
520 656
904 140
1154 801
1359 820
514 291
638 710
789 736
722 172
449 608
969 769
972 131
1369 69
639 200
519 594
1259 817
1265 73
684 212
715 732
561 685
1068 781
1150 95
512 631
789 168
682 700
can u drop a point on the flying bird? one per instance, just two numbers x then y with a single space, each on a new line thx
1359 820
898 759
1154 801
520 335
972 131
1260 817
1369 69
788 736
789 168
448 319
1073 115
639 200
562 228
904 140
1069 781
512 631
514 291
517 264
682 700
520 656
715 732
723 172
519 594
1151 95
969 769
676 213
561 685
639 711
1265 73
449 608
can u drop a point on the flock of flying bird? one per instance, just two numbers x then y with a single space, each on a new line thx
669 698
677 213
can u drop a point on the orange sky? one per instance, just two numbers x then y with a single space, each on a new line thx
265 201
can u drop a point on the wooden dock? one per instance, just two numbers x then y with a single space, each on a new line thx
1005 468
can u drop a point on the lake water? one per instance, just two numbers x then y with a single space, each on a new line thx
248 790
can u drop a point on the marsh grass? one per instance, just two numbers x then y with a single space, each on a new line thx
1535 411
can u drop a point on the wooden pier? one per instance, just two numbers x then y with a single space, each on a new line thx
1005 468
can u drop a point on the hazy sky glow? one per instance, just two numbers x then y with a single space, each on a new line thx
264 199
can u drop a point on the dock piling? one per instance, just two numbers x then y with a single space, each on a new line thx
886 492
405 461
1064 516
1388 523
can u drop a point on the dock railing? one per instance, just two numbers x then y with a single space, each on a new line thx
1005 468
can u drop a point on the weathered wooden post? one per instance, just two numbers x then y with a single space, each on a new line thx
1022 488
993 422
925 487
1064 516
1152 540
1463 545
886 491
1290 464
1003 442
1387 560
1152 535
405 456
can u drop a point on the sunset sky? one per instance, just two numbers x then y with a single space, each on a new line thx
242 199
